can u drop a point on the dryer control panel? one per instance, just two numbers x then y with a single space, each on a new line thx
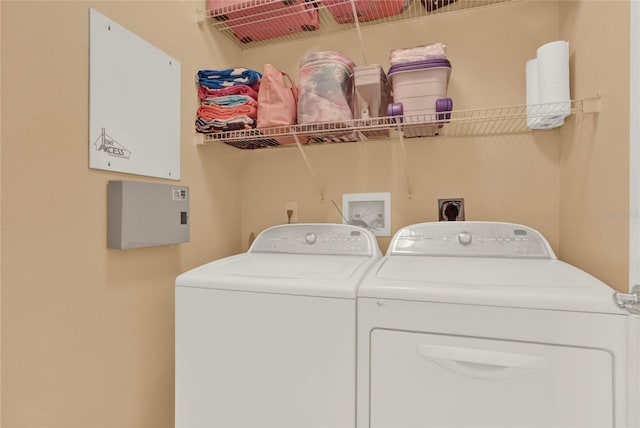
471 239
317 238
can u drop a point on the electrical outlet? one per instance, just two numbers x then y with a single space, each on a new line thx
451 209
293 208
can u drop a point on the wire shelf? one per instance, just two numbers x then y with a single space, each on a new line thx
256 23
507 120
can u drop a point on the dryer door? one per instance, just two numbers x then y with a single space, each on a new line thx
420 379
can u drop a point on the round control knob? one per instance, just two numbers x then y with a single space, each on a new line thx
464 238
310 238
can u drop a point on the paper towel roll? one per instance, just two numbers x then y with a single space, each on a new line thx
533 98
553 81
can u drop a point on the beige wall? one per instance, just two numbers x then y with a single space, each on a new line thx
87 332
594 162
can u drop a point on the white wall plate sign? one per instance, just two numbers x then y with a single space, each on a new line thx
134 103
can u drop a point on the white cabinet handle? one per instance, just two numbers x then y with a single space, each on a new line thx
482 363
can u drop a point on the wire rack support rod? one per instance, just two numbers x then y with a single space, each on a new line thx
358 30
404 161
316 180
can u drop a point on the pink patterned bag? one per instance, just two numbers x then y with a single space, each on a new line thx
277 101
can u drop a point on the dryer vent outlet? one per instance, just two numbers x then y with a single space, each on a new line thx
451 209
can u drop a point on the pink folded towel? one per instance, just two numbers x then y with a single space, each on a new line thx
204 92
210 112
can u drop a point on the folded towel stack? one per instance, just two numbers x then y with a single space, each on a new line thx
228 99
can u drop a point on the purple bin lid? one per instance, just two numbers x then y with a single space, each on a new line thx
419 65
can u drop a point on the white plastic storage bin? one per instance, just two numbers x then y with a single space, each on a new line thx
420 88
374 90
373 95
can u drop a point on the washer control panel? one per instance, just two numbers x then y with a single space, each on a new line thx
316 238
471 239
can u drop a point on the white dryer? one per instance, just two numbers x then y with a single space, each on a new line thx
267 338
469 324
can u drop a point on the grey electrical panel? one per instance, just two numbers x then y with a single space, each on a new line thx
144 214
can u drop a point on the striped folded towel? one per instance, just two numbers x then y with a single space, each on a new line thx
217 125
231 101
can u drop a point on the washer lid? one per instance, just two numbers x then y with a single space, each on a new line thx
304 259
298 274
524 283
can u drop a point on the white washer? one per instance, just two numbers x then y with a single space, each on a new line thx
468 324
267 338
